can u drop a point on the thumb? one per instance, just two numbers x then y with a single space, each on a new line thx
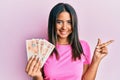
99 42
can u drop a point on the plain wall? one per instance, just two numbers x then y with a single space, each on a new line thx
25 19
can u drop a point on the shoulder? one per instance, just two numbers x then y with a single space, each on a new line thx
84 43
85 46
86 50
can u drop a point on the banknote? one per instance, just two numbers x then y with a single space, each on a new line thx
40 48
47 48
32 47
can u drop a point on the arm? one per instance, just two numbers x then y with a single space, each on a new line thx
38 78
33 68
90 71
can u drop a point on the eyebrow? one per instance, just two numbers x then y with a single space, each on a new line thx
62 20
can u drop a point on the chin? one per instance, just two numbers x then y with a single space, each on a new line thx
63 37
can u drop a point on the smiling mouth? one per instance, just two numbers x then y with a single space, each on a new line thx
63 32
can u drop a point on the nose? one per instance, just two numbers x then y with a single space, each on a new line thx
64 25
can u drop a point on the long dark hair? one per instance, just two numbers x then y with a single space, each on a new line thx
73 37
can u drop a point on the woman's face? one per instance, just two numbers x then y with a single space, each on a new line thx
63 25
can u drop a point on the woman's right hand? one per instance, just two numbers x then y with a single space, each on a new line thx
33 68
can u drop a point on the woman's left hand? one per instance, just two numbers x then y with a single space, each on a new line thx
101 50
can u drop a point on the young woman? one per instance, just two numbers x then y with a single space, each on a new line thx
71 58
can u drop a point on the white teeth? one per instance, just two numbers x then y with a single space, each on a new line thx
63 33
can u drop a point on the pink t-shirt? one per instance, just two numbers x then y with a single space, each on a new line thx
65 68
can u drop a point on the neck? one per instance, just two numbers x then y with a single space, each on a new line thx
63 41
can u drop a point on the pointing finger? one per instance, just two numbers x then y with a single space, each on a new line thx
105 44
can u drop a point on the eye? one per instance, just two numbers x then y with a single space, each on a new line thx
59 22
69 22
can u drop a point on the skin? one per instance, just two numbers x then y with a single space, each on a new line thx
100 52
64 29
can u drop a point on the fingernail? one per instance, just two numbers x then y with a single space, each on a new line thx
97 47
35 56
112 40
32 56
38 58
98 38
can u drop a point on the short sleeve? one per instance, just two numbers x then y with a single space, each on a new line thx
87 53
